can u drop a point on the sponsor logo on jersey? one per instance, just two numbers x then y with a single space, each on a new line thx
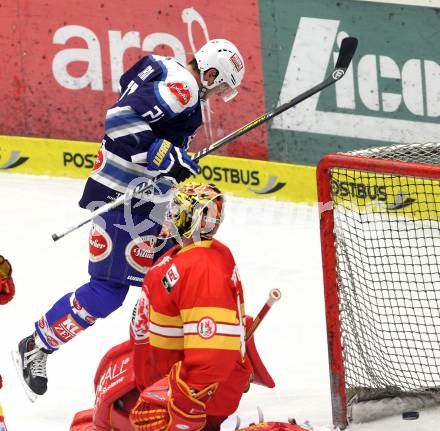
76 304
236 61
42 323
52 342
206 327
181 91
171 278
14 160
100 244
66 328
144 74
80 311
139 253
99 161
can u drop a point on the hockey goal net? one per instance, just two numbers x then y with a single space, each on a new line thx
380 240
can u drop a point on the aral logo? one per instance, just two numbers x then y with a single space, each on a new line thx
384 95
100 244
139 253
13 161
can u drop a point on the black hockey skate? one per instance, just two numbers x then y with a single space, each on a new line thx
30 362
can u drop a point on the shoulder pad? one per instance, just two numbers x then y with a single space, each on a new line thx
179 89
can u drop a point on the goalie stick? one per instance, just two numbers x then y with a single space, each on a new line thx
346 52
274 296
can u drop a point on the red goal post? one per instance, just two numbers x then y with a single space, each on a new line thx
379 223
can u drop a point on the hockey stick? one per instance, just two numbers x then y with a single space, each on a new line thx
274 296
346 52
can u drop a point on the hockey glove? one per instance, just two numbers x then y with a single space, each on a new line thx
171 405
171 161
7 288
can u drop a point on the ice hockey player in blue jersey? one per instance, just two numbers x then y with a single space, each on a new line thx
147 133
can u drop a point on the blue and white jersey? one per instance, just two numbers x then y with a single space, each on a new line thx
159 101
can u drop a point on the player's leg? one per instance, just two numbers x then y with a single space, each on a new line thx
117 259
69 316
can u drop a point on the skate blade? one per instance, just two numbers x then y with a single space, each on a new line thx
18 363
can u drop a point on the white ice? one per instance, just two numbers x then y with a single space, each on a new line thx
275 245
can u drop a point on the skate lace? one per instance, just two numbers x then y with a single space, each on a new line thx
37 360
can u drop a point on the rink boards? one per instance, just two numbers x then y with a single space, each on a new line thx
239 176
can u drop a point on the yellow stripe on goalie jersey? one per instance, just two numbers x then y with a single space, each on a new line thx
166 343
218 314
221 342
165 320
195 341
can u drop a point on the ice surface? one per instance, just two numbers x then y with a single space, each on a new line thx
275 245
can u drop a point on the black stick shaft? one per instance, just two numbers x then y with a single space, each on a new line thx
348 48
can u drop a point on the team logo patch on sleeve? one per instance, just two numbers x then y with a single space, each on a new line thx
140 318
206 328
181 91
171 278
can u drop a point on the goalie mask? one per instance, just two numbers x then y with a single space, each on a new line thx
196 210
223 56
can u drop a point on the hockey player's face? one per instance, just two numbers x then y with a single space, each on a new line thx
223 90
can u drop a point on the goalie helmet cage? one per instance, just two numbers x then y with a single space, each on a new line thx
380 242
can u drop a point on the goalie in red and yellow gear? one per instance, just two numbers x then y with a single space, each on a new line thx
187 363
187 329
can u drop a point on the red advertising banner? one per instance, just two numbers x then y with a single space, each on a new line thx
61 63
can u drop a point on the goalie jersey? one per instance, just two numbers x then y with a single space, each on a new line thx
159 101
191 310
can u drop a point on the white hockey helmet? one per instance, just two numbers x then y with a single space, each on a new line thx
226 58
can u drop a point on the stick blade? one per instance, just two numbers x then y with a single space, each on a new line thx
346 53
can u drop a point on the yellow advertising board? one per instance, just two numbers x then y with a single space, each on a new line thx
365 192
241 177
